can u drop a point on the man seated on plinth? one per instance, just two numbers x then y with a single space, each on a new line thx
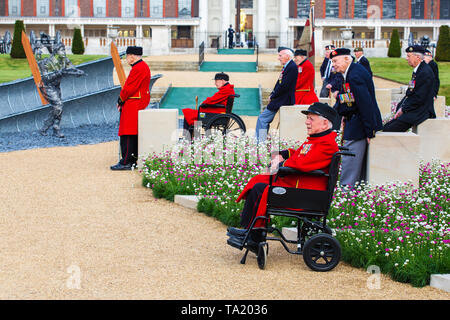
314 154
209 105
418 103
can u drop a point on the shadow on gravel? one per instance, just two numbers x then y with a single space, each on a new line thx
91 134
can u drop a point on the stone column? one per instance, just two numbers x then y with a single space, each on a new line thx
51 30
406 31
435 33
139 35
261 31
160 40
318 41
226 17
82 30
284 15
378 33
203 27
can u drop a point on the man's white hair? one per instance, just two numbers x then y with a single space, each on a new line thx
330 124
288 52
420 55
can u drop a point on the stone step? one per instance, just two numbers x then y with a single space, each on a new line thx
187 201
440 281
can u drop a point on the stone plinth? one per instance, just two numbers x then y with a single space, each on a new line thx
187 201
292 123
394 156
384 100
440 281
157 131
439 107
434 139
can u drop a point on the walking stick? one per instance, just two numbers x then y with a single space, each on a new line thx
196 102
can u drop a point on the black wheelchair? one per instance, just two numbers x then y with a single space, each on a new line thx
226 123
320 250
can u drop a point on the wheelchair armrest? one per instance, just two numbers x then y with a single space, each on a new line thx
342 148
286 171
346 153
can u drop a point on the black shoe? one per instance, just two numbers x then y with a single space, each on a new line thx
120 166
43 132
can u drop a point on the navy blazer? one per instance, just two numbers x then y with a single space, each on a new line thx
366 64
283 93
418 104
362 117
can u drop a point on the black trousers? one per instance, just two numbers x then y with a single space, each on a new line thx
396 125
251 204
129 149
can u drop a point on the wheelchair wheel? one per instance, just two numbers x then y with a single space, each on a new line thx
263 248
226 124
322 252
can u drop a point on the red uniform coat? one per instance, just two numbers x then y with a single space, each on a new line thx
220 97
314 154
304 90
136 95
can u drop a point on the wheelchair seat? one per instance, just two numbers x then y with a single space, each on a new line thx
320 250
225 122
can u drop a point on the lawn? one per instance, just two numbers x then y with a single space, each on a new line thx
13 69
397 69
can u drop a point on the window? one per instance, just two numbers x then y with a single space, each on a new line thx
156 8
43 8
417 9
360 9
445 9
128 8
332 9
184 8
72 9
389 9
99 8
246 4
303 8
14 7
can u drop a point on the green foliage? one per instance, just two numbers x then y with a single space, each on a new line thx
394 46
443 44
17 51
77 42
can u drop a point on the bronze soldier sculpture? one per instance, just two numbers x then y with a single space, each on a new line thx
52 69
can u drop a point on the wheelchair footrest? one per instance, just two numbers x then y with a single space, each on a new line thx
237 243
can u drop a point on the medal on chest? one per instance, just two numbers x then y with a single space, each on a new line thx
347 97
305 149
300 69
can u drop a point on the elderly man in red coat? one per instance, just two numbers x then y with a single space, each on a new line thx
304 91
314 154
219 98
134 96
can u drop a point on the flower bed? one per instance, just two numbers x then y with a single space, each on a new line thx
401 229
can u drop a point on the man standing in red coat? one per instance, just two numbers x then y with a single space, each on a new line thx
134 96
219 98
314 154
304 91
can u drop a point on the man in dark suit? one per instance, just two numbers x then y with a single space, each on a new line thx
283 93
356 102
362 60
332 80
230 37
428 58
418 104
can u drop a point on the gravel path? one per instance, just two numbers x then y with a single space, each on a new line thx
65 216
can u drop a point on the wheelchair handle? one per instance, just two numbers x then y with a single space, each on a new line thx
347 153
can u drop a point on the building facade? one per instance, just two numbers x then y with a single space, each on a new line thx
172 26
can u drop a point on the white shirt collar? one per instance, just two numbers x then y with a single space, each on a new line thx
346 71
360 58
417 67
